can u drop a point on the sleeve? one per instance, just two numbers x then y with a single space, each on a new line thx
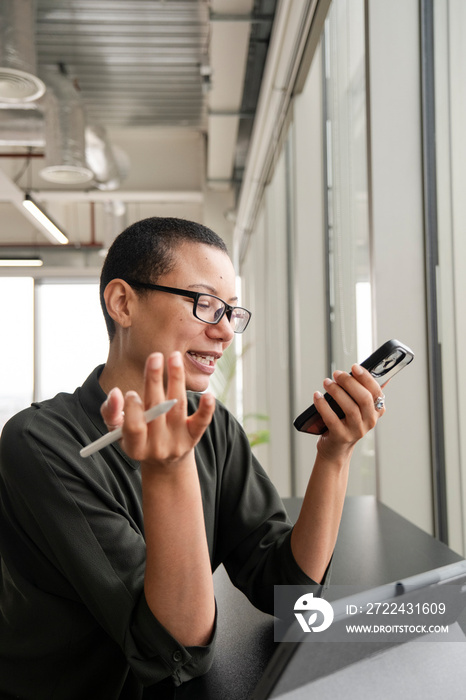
82 544
255 528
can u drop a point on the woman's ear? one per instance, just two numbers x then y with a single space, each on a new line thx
119 298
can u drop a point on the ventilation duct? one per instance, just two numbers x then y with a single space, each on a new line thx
22 126
65 161
109 164
18 82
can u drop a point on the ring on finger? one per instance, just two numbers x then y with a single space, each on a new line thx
379 402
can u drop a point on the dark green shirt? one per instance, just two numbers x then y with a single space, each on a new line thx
74 621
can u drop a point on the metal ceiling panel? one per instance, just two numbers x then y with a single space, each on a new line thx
142 66
136 62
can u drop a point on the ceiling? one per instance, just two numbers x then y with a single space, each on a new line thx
137 62
173 83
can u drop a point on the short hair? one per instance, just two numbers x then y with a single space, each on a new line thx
145 250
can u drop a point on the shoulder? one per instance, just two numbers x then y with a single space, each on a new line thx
53 425
51 411
22 422
60 415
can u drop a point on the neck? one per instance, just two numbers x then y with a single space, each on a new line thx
121 372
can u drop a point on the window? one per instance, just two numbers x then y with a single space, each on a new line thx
16 348
71 338
54 335
349 281
450 143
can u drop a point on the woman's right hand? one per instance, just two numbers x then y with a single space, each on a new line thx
168 439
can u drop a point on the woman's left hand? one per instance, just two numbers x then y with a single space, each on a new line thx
358 394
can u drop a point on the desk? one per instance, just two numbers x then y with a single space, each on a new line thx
375 546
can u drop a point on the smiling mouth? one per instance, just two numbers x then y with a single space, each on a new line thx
207 360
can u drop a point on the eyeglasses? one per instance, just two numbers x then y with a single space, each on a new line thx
207 307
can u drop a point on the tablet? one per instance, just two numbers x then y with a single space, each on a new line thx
300 665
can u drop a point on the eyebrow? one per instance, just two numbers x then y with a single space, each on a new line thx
210 289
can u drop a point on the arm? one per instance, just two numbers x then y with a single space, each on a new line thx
323 502
72 537
178 579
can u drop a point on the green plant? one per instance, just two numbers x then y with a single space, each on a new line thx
222 379
220 385
257 437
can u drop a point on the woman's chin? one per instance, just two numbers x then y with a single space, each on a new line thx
197 384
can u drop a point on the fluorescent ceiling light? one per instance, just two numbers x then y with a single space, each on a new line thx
44 220
21 262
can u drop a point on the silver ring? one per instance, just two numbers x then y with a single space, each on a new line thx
379 403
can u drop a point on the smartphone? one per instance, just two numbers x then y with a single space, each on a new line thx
383 364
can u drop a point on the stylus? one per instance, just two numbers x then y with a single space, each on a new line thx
115 435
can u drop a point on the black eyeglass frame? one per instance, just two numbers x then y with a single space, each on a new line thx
227 309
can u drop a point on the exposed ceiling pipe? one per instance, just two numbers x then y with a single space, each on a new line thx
22 126
127 196
65 160
18 82
22 156
25 127
109 164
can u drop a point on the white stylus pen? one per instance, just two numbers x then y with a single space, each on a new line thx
115 435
